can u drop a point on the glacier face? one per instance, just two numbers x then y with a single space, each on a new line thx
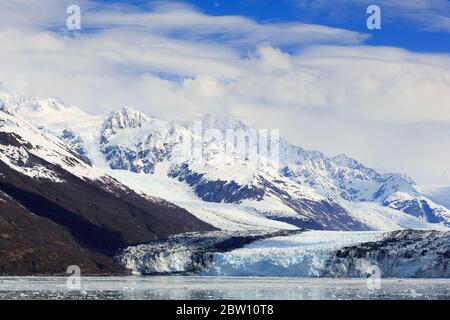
301 255
189 252
403 254
307 190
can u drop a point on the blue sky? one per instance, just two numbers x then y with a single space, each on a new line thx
402 24
308 67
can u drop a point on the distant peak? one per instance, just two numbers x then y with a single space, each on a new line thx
345 160
49 104
401 177
56 103
127 111
125 117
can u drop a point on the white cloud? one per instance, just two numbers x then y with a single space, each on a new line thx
380 105
235 31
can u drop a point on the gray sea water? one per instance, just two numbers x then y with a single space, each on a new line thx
201 288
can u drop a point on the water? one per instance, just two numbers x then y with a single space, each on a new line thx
194 288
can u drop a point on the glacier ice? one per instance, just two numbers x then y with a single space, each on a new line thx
407 253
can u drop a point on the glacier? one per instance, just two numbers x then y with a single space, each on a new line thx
403 254
313 216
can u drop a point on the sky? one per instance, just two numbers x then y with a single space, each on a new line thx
311 68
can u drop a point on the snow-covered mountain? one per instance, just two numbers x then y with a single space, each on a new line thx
222 185
439 194
57 210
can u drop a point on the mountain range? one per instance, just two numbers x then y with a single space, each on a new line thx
75 186
56 210
307 188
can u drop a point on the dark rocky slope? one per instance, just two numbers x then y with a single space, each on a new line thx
48 224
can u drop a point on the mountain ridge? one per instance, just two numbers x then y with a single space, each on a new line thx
56 210
307 186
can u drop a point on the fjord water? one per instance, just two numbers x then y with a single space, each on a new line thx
196 288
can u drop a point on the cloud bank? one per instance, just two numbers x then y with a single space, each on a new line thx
322 86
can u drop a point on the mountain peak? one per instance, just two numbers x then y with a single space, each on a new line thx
346 161
125 117
25 105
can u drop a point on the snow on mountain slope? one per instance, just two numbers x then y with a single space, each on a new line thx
266 214
77 128
439 194
57 210
305 188
228 216
418 206
20 141
345 178
130 140
309 183
386 218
